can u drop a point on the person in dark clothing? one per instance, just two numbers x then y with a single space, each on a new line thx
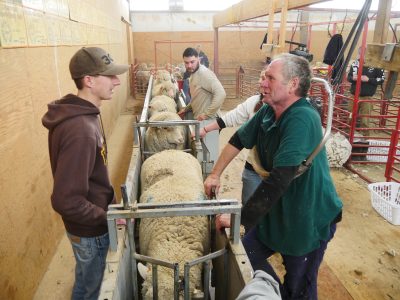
332 51
78 156
203 57
370 79
185 87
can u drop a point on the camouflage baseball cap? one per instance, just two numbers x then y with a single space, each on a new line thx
94 61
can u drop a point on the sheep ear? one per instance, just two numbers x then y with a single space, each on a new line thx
143 270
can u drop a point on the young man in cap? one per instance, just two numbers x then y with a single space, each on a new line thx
78 156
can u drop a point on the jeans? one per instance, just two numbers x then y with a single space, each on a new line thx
251 180
90 256
300 280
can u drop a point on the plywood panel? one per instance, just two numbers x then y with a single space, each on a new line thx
30 78
32 227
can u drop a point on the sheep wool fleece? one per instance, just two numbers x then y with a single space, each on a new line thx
172 239
161 103
161 138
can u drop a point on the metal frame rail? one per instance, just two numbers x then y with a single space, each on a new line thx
129 211
136 210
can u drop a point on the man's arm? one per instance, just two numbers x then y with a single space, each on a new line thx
241 113
267 194
212 182
214 86
350 75
379 79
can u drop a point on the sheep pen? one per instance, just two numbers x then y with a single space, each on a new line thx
173 239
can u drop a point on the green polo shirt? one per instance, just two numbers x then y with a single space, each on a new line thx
302 217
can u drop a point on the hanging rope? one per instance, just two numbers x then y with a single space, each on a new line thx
329 24
344 21
394 33
295 28
356 31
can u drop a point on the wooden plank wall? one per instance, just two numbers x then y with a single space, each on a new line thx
235 47
36 45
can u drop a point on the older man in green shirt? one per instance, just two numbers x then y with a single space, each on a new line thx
294 216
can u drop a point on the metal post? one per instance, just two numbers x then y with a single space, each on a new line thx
176 281
186 281
154 273
206 283
131 239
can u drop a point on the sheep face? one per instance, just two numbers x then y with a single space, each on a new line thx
162 138
162 103
159 139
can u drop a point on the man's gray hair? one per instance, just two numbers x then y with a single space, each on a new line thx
296 66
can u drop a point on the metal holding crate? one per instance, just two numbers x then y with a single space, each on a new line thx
385 199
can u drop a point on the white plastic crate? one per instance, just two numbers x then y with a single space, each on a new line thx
385 198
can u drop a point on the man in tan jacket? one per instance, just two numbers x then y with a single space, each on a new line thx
207 96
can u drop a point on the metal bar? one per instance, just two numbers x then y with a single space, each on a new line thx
176 282
154 268
186 281
174 212
219 202
124 194
225 279
112 233
131 239
166 123
207 257
235 232
154 260
205 260
206 282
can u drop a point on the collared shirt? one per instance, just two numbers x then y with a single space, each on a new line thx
302 217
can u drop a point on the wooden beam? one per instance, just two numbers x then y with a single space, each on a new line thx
382 21
282 29
373 58
250 9
271 22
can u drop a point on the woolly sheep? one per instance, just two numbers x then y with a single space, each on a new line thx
161 76
142 80
173 239
161 138
167 163
161 103
338 150
166 88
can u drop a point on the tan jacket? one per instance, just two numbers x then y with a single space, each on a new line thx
207 93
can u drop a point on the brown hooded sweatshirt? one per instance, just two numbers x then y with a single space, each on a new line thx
82 190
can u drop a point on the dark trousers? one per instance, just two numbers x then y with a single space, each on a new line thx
300 280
